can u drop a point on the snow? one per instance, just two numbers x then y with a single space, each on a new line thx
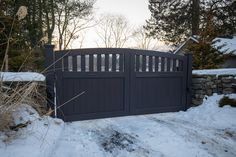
218 72
230 45
203 131
37 140
21 76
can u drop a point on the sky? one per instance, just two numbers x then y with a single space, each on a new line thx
136 12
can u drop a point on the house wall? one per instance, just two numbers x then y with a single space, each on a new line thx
230 62
208 84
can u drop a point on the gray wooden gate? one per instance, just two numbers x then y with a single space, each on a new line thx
108 82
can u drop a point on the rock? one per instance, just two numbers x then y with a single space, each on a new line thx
199 92
227 85
210 83
214 86
214 90
199 96
209 92
197 102
198 80
209 78
227 90
197 86
220 90
234 85
226 79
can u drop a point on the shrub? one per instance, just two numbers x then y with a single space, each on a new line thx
227 101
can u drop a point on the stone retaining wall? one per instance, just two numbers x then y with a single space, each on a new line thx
208 84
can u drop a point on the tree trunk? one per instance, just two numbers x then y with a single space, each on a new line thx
195 16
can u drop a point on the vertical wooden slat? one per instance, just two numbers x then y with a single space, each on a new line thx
156 63
79 63
180 65
150 64
121 67
66 66
106 62
91 63
74 63
113 62
82 63
174 64
99 62
137 63
144 63
162 64
117 62
95 61
153 63
140 63
168 64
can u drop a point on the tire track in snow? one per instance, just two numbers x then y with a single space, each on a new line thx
209 139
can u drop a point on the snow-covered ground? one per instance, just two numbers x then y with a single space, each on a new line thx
226 71
21 76
203 131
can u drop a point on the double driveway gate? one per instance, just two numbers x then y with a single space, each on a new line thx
107 82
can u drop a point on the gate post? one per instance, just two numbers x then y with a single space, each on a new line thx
50 74
189 80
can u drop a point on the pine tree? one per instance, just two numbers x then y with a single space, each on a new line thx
175 20
168 20
206 56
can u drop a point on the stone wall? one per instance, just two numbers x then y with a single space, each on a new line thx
208 84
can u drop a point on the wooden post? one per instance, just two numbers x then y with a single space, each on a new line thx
50 76
189 80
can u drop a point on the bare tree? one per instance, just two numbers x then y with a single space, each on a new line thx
72 17
113 31
143 41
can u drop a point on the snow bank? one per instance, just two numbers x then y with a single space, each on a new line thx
21 76
218 72
210 114
36 140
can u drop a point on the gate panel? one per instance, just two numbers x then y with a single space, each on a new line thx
101 75
102 95
158 82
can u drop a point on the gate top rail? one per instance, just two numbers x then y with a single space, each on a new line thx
74 52
114 60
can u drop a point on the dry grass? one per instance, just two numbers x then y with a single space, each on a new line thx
14 94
